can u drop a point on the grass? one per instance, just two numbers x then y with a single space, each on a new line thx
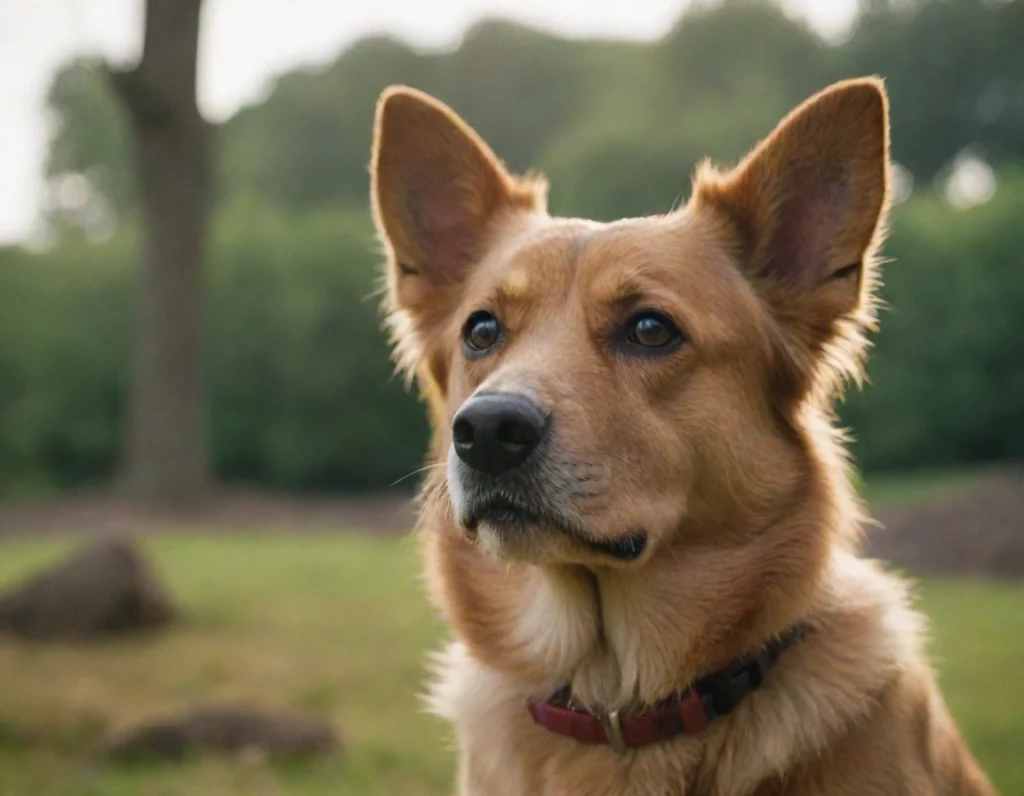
336 624
978 648
332 624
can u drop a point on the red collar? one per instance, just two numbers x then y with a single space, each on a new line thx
688 713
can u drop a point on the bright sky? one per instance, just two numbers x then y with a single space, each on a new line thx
246 42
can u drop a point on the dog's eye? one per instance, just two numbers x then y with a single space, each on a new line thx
649 329
481 331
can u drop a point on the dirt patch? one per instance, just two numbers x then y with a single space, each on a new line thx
227 729
979 530
229 510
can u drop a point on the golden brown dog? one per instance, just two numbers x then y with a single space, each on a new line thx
640 511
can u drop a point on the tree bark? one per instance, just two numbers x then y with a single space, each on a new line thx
166 456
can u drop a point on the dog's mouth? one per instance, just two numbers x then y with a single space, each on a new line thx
628 547
502 514
506 516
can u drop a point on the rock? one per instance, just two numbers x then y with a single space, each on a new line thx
105 588
228 729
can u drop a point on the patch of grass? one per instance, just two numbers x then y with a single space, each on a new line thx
978 647
337 625
331 624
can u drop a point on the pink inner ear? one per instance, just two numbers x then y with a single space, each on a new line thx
809 223
448 234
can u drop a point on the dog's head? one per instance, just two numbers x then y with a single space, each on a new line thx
599 389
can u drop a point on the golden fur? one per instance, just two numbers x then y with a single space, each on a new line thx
723 452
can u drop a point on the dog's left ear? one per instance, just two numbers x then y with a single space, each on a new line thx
437 192
436 188
808 203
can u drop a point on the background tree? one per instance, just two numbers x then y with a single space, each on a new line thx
167 458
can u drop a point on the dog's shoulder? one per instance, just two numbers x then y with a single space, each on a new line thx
855 708
860 639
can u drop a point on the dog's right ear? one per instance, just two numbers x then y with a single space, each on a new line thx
436 188
807 208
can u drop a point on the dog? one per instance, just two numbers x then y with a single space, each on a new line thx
638 519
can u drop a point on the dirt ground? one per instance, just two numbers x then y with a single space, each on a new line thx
230 510
978 530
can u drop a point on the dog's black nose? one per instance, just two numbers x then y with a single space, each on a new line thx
496 432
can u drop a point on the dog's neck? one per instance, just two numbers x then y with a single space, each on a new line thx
658 629
624 638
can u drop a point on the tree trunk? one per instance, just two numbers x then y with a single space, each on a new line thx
166 454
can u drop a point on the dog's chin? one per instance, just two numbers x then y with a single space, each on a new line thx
523 538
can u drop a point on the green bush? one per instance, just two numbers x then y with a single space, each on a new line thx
302 392
947 373
301 388
64 336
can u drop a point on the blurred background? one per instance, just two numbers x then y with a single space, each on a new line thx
206 464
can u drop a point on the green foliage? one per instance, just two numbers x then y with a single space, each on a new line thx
948 381
302 392
954 70
301 387
90 138
643 113
64 322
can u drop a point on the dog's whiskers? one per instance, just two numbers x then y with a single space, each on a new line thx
417 472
